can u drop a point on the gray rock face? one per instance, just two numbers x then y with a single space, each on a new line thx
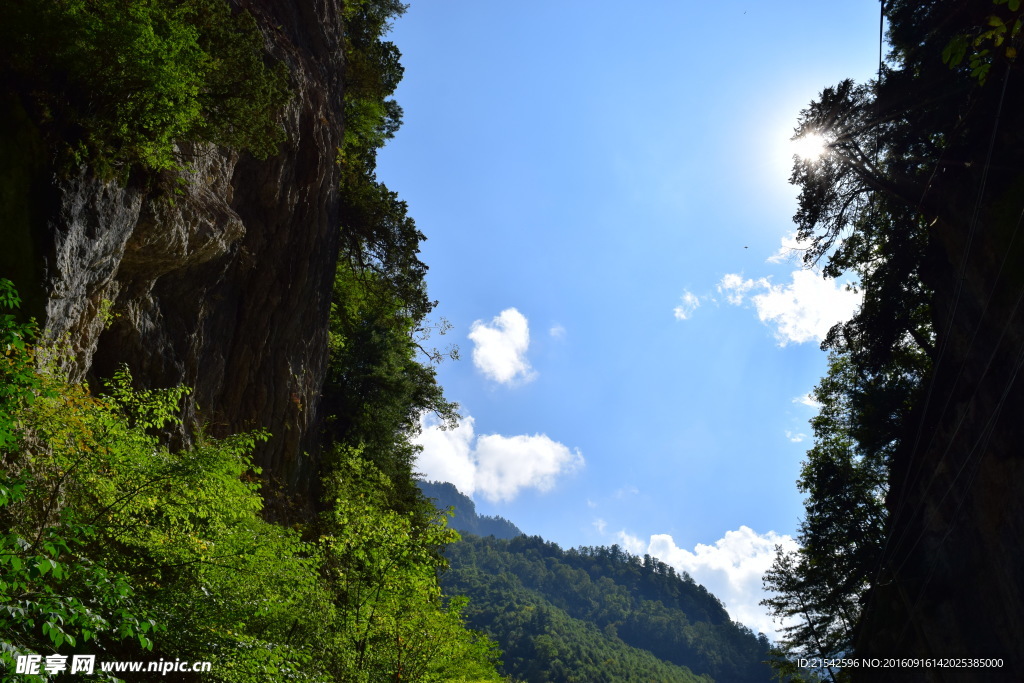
951 585
223 285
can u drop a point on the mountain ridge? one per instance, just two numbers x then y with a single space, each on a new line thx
464 515
562 614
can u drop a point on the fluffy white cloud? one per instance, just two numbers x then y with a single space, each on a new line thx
447 455
508 464
806 309
736 288
731 568
688 305
801 311
499 348
631 543
499 467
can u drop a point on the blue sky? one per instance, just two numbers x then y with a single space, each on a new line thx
604 189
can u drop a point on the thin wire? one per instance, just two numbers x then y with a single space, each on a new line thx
881 38
881 34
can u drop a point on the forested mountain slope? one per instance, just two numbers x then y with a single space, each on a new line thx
568 615
588 614
465 518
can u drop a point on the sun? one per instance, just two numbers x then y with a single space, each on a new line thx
810 146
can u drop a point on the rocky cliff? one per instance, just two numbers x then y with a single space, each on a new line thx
220 278
951 581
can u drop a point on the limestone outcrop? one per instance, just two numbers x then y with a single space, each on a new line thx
219 278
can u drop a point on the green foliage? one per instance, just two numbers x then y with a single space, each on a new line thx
854 211
121 547
372 73
381 541
139 540
598 614
999 38
818 590
115 85
380 379
18 381
52 592
381 245
376 389
380 241
382 569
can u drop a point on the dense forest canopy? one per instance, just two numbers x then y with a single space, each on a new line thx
117 86
598 614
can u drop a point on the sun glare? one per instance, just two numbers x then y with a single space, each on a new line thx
810 147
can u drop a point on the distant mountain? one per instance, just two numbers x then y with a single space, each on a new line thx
466 519
599 615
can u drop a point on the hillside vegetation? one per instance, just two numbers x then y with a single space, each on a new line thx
598 614
589 614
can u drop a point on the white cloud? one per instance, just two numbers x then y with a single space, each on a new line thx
499 348
690 303
600 525
507 464
801 311
791 250
557 332
806 309
447 455
795 437
631 543
807 400
731 568
499 467
736 288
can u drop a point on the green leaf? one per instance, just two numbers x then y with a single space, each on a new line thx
954 52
